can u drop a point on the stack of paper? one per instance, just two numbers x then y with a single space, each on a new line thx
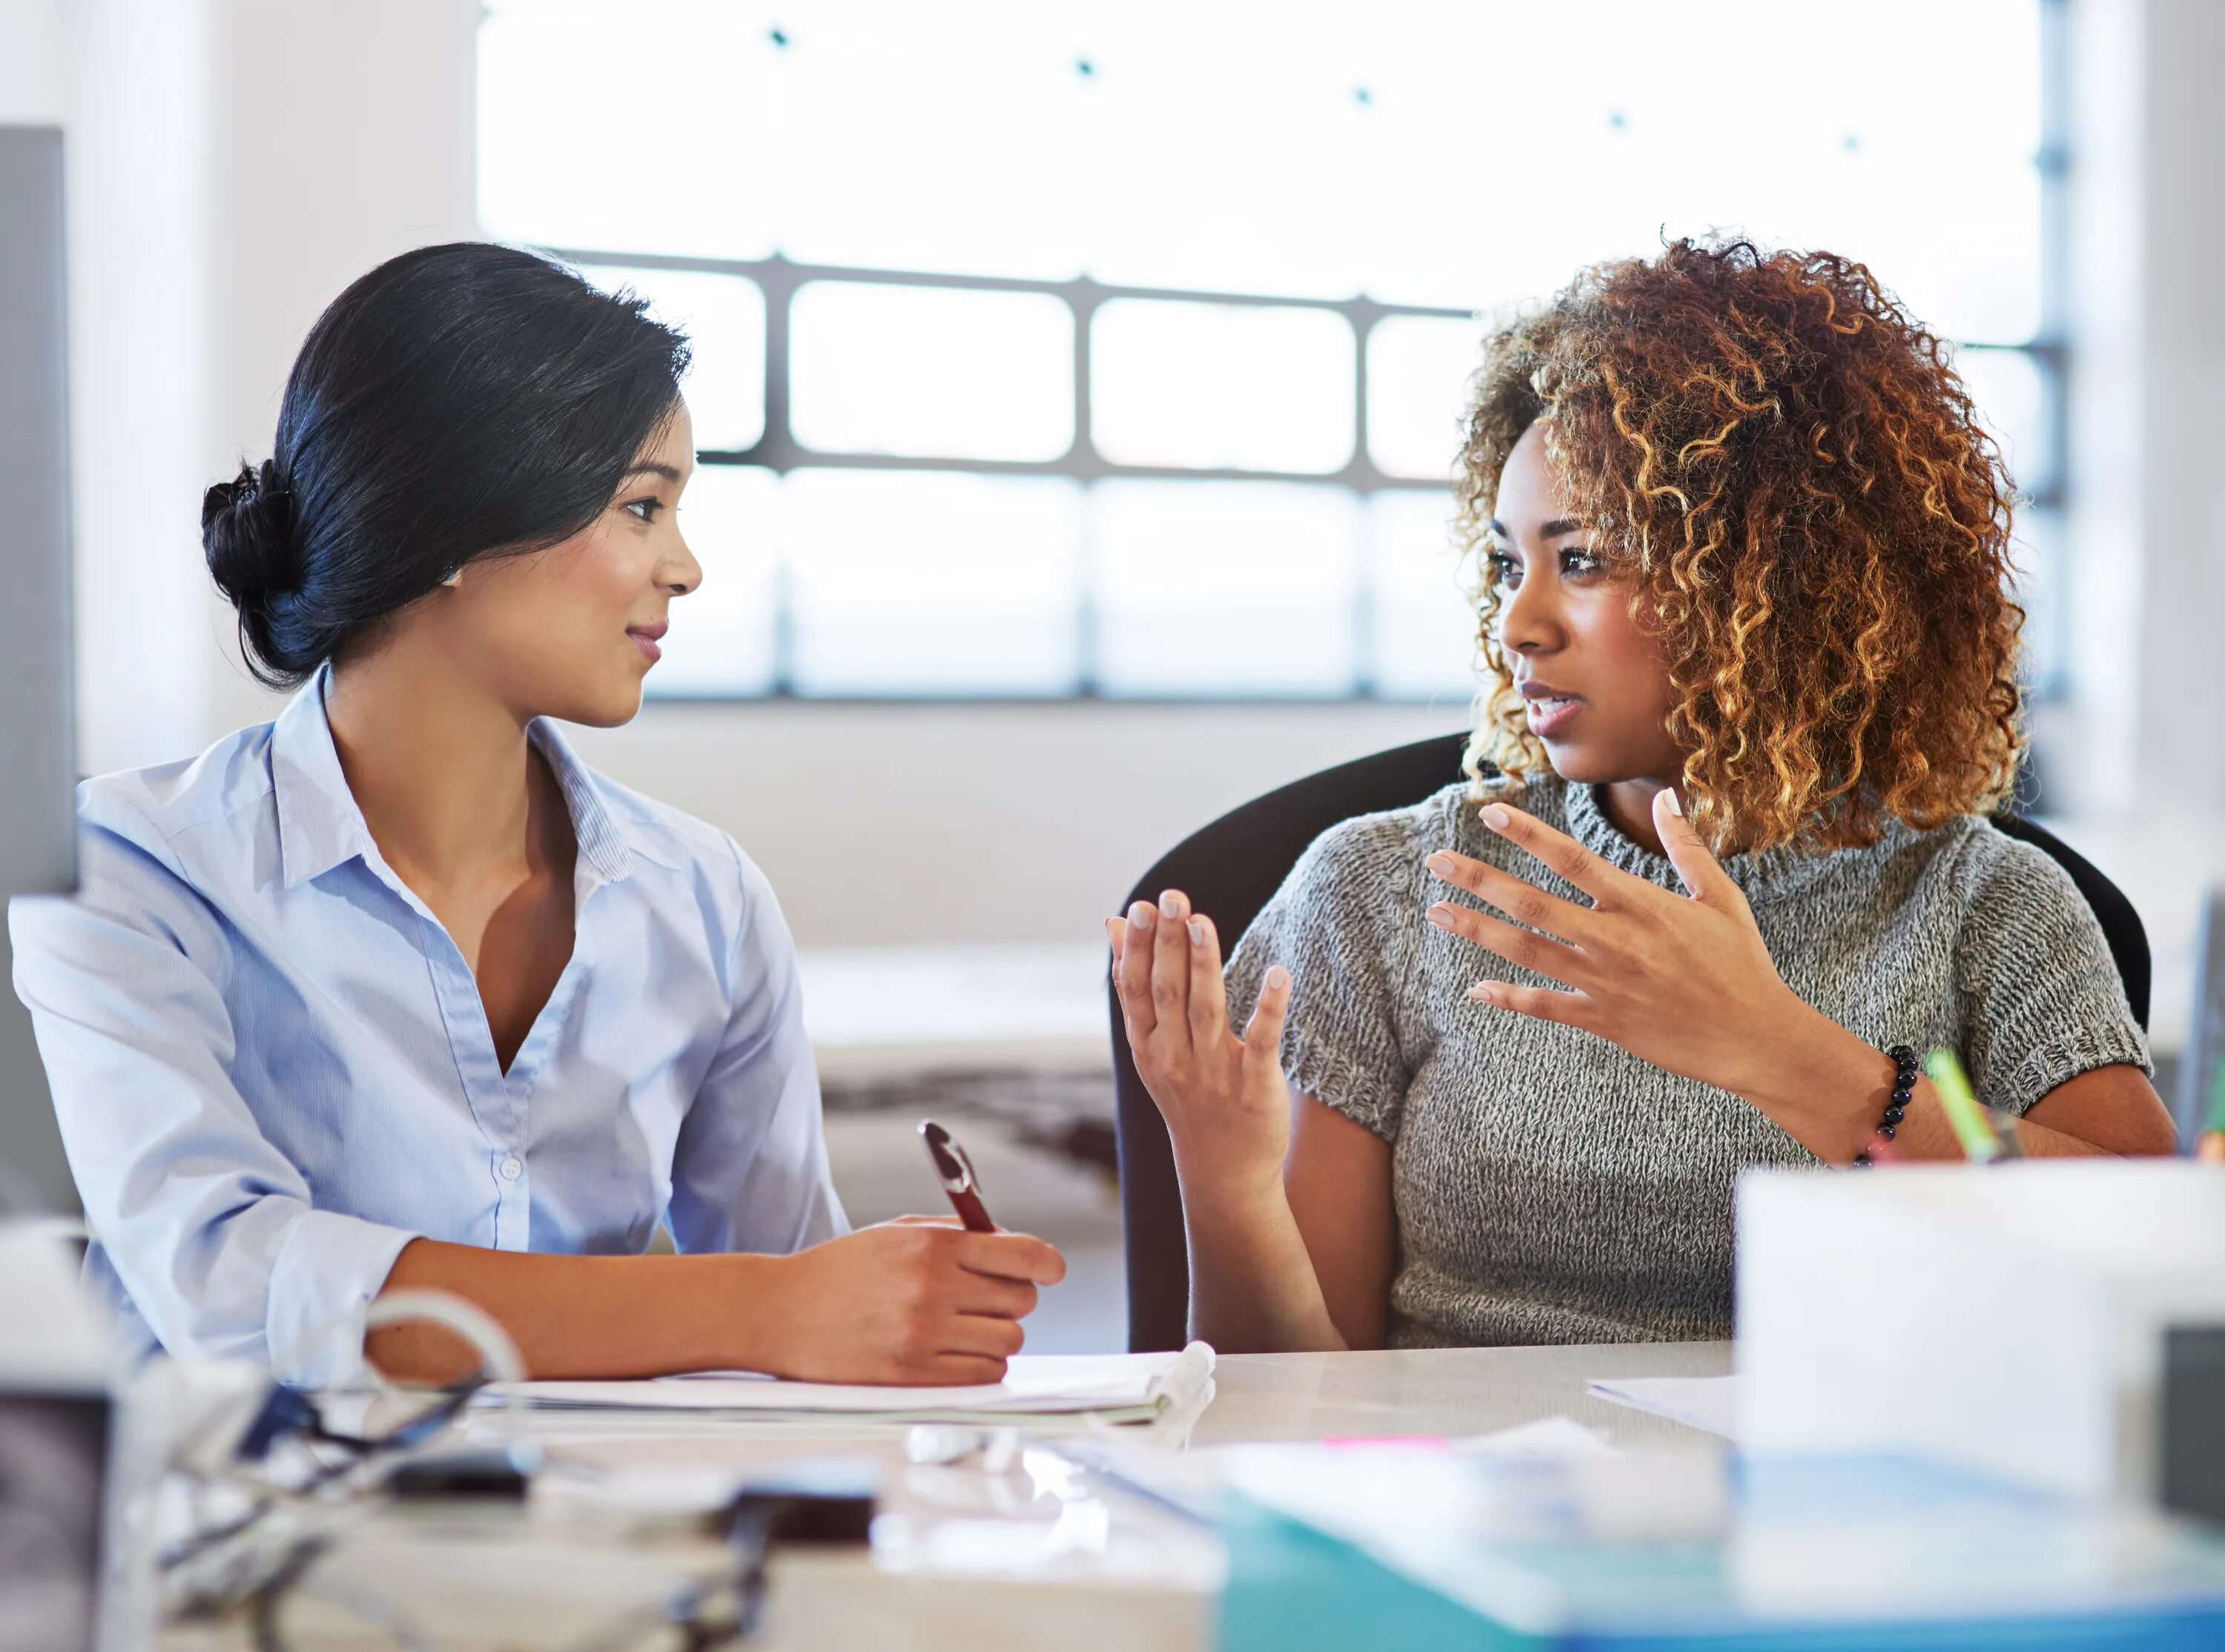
1094 1389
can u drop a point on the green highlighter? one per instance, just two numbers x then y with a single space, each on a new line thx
2210 1144
1973 1127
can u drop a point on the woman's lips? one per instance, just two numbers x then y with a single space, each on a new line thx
644 638
1550 712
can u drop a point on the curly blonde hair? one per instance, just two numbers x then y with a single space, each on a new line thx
1818 527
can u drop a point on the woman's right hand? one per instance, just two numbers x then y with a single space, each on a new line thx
1225 1102
912 1301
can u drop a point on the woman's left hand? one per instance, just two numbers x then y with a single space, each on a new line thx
1687 984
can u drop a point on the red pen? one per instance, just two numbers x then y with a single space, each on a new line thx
955 1172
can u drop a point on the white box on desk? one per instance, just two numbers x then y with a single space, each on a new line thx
2006 1317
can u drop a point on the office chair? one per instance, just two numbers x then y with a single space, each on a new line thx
1231 868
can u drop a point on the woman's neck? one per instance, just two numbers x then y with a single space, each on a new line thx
1628 806
443 772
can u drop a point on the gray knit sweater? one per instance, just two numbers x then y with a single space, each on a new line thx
1551 1188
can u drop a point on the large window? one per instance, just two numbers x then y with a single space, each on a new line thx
1055 350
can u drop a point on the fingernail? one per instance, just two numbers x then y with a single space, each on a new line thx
1141 914
1496 817
1277 976
1196 932
1676 803
1484 992
1439 914
1170 904
1440 862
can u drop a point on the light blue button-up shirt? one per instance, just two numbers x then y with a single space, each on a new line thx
273 1069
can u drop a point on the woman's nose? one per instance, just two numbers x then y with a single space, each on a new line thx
1527 621
683 573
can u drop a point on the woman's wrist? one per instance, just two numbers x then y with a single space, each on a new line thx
723 1311
1236 1187
1820 1084
1252 1286
750 1315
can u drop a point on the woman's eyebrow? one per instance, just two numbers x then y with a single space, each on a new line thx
1552 529
669 472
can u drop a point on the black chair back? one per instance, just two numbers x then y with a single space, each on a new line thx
1233 867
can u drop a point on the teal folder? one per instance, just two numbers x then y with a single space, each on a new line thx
1329 1549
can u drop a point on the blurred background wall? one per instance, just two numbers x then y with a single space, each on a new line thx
233 163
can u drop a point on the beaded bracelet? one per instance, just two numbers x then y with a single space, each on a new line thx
1903 1086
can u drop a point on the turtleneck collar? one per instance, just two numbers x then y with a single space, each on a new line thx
1769 876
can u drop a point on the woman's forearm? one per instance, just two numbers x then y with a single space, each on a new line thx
1252 1288
1829 1091
1227 1107
587 1316
910 1302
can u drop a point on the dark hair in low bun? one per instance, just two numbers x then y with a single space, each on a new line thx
247 533
459 401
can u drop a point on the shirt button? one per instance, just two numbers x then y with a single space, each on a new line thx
512 1168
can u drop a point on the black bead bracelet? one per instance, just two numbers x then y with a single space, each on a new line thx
1904 1087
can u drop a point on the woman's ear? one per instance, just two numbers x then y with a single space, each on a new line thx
454 580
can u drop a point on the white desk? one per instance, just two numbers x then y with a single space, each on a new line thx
474 1579
1448 1391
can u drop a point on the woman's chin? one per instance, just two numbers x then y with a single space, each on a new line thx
622 708
1582 766
1578 766
602 708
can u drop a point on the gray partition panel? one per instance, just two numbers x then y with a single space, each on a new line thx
38 744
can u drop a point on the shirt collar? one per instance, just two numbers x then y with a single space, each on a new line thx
604 845
321 827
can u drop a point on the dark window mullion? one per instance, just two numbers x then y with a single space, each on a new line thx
779 285
1085 464
1366 675
2056 368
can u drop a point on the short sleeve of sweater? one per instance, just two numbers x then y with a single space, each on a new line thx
1342 924
2040 998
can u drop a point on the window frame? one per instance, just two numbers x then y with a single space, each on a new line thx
777 450
779 278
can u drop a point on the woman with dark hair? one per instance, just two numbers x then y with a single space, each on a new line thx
395 992
1750 672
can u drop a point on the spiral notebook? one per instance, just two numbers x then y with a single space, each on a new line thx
1103 1389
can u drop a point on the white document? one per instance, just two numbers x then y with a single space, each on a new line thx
1709 1402
1110 1388
1553 1439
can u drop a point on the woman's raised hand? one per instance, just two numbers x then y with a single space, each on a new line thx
1687 984
1225 1100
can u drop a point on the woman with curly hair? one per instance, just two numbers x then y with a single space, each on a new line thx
1750 697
